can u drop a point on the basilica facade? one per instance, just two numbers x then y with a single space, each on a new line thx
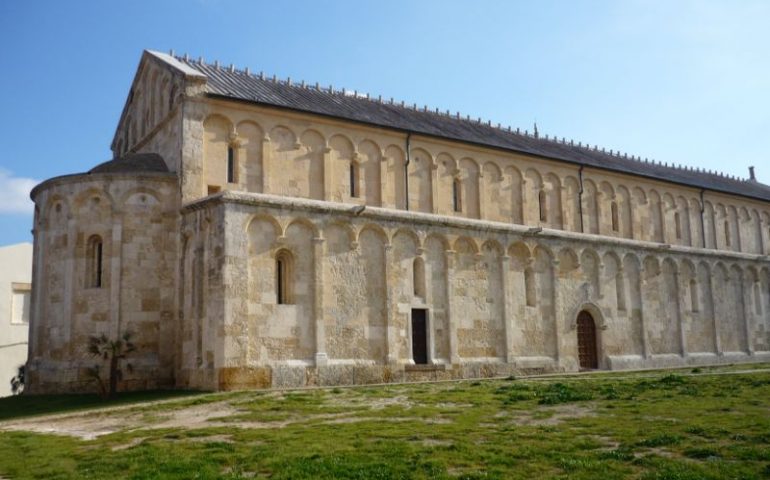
257 232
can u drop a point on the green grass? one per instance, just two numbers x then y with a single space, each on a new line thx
647 425
24 406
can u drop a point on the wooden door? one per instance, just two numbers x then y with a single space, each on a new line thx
419 336
586 333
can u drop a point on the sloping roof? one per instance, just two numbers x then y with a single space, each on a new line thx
133 163
239 85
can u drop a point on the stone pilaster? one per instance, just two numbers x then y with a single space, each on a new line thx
321 358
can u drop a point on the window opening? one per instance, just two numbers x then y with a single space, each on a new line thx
418 277
620 289
94 266
529 287
282 278
456 199
678 225
230 164
541 201
694 300
614 212
354 188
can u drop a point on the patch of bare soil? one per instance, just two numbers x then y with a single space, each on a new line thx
89 426
558 414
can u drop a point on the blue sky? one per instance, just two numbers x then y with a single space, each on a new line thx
684 82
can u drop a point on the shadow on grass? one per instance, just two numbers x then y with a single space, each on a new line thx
20 406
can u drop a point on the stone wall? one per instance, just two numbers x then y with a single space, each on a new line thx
298 156
500 298
134 218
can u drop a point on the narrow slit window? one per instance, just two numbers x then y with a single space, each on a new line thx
541 201
614 212
230 164
418 277
529 287
94 260
727 233
620 289
354 187
678 225
283 268
694 300
456 198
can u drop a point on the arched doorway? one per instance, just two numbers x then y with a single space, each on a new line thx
586 333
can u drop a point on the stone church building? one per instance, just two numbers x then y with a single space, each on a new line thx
260 232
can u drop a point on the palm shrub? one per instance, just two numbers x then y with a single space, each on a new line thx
112 352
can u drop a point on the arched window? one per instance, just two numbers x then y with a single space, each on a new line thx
354 187
614 214
529 287
678 225
418 277
727 233
283 277
620 291
457 202
94 262
694 300
541 201
230 164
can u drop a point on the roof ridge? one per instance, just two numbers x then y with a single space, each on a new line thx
457 116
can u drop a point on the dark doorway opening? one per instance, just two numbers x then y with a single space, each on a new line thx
586 333
420 336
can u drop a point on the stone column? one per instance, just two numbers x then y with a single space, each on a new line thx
678 313
557 310
267 164
505 266
321 358
453 354
434 199
69 284
116 257
717 321
390 327
328 173
642 321
384 183
37 319
748 315
482 206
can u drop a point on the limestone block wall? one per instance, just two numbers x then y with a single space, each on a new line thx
499 297
298 155
105 256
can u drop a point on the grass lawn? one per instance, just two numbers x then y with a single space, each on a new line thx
708 423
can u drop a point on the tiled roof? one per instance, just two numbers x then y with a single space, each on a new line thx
133 163
235 84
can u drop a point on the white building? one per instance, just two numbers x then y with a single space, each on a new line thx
15 288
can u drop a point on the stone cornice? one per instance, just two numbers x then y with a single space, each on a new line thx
481 226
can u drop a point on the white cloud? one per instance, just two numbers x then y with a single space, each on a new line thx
14 193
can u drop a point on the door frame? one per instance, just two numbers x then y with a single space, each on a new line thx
428 335
600 325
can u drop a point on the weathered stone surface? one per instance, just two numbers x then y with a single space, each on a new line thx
302 265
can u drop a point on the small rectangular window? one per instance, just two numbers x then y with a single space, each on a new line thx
354 180
230 165
20 302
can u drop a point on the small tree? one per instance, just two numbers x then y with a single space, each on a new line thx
17 382
114 352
